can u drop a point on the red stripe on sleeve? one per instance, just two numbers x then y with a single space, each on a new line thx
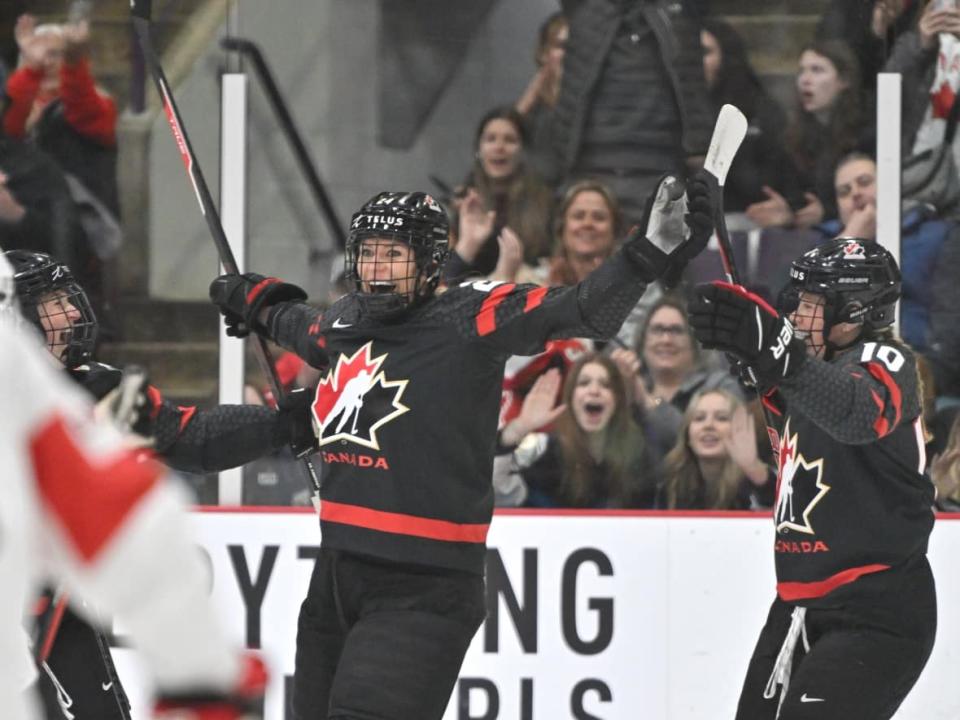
156 400
402 524
534 298
186 416
260 287
769 404
879 372
90 498
487 315
790 591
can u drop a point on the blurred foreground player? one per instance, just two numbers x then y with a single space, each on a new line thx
78 506
407 420
75 654
855 616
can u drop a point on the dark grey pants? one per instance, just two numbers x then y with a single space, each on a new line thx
382 641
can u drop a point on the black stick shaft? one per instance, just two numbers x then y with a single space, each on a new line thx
204 199
723 240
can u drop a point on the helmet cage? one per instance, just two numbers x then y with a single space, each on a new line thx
863 290
47 290
413 219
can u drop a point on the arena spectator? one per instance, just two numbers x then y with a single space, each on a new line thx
945 471
714 464
586 231
922 236
53 99
595 456
870 28
500 193
928 59
36 210
667 368
761 161
828 123
54 102
632 101
540 96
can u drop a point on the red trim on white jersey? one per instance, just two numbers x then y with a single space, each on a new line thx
90 497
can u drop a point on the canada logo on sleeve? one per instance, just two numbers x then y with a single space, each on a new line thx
356 399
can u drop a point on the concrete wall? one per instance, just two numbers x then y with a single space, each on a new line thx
323 53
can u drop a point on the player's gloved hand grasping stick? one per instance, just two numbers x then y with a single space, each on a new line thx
677 224
297 418
242 297
728 317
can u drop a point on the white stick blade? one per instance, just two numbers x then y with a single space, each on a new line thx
728 133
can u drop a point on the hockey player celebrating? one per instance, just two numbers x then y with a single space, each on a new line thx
854 619
184 437
77 506
75 657
397 591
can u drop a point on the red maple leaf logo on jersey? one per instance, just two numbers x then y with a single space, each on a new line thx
355 399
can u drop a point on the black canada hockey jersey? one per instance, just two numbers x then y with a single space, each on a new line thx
406 414
852 496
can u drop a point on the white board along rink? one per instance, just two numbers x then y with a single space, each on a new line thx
617 616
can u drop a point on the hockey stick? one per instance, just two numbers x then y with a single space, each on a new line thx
140 10
49 625
728 134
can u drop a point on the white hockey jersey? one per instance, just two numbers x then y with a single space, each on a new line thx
78 507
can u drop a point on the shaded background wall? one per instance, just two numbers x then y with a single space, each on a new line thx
325 55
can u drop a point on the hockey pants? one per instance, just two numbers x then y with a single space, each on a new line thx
382 641
865 654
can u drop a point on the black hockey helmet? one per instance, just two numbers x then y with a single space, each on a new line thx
52 300
858 279
413 218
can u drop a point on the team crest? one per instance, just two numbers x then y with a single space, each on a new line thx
355 400
853 250
800 486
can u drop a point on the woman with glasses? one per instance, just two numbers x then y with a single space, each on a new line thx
667 370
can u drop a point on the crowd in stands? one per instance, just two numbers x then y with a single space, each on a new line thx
556 179
58 158
804 175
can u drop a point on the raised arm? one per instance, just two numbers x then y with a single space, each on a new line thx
518 319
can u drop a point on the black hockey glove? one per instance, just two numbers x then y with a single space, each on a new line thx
242 702
242 297
297 421
676 227
124 397
730 318
96 378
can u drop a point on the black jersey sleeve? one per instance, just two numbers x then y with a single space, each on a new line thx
223 437
520 319
861 396
296 327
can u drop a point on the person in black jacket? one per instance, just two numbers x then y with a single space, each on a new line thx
406 417
761 167
855 616
632 97
78 671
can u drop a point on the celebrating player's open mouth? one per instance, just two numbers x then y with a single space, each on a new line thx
386 266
